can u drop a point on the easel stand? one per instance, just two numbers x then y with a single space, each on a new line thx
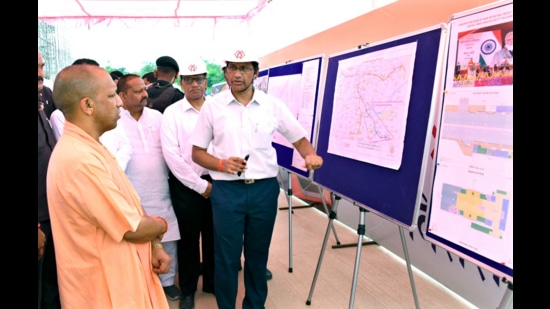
409 267
332 215
360 243
290 213
361 236
325 207
289 196
507 299
361 233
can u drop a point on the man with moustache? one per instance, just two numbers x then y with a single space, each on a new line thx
45 100
147 169
233 140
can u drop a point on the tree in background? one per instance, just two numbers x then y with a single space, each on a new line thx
215 75
148 67
110 69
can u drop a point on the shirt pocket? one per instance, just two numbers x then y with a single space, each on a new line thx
263 133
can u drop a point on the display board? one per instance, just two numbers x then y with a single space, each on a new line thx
261 82
297 84
471 204
375 123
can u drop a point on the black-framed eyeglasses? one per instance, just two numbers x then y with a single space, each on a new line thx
244 69
189 80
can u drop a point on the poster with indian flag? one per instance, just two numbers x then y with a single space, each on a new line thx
476 48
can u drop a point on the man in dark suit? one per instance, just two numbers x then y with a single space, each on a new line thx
48 292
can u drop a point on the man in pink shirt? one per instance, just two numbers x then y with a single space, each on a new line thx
111 249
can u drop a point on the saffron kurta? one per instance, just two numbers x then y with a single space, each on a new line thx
92 205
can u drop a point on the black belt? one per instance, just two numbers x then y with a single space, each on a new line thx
207 177
249 181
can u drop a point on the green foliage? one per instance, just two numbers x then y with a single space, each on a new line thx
110 69
148 67
215 75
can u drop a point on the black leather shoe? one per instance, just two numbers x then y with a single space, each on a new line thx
172 292
268 275
187 302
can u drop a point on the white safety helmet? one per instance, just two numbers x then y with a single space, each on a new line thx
193 66
242 54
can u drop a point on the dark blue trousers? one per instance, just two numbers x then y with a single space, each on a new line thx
244 218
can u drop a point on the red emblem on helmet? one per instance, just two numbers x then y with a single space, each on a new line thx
192 68
239 54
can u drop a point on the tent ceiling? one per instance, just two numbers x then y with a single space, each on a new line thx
271 24
104 9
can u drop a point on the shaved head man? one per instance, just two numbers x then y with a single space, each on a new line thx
112 251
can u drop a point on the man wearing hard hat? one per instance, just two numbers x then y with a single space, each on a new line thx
239 124
190 184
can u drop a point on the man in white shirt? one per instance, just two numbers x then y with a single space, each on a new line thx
147 169
190 184
238 126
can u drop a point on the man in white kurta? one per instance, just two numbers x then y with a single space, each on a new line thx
146 168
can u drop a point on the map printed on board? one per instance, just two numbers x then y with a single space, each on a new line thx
371 103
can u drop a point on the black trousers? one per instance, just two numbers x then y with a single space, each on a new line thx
194 213
48 292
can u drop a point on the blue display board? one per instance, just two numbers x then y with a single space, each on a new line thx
392 193
305 112
263 73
